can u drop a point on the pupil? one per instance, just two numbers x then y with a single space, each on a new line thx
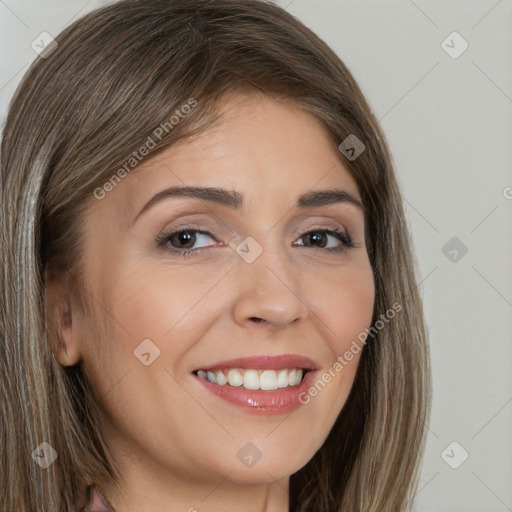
316 238
184 237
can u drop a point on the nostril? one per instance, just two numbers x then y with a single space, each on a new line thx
256 319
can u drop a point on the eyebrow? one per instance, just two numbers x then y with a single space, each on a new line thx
233 199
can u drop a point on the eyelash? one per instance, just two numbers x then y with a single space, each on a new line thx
163 239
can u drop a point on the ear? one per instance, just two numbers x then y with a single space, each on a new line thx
64 340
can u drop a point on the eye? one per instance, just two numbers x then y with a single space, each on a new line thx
187 240
318 238
184 240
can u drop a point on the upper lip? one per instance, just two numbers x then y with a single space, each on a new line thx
279 362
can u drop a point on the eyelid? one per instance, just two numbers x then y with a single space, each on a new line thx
208 231
324 226
166 234
341 234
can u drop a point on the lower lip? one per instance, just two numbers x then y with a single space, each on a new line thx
277 401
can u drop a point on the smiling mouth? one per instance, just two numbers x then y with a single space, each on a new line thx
252 379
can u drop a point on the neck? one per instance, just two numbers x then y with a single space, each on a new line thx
144 493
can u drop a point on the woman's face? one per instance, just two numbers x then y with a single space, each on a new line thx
266 276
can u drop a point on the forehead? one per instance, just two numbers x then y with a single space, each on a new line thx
265 147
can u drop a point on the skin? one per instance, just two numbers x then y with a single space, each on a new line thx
175 443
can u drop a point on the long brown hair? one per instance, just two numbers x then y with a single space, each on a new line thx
79 113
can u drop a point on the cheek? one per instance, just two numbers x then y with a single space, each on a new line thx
163 302
157 300
173 308
344 301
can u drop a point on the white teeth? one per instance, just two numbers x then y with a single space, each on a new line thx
251 380
254 379
268 380
221 378
235 378
282 379
294 377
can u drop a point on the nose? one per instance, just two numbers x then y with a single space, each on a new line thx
269 292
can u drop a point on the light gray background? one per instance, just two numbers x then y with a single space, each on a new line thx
449 125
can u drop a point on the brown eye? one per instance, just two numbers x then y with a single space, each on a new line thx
185 240
319 239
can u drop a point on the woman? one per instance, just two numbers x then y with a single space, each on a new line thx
282 363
